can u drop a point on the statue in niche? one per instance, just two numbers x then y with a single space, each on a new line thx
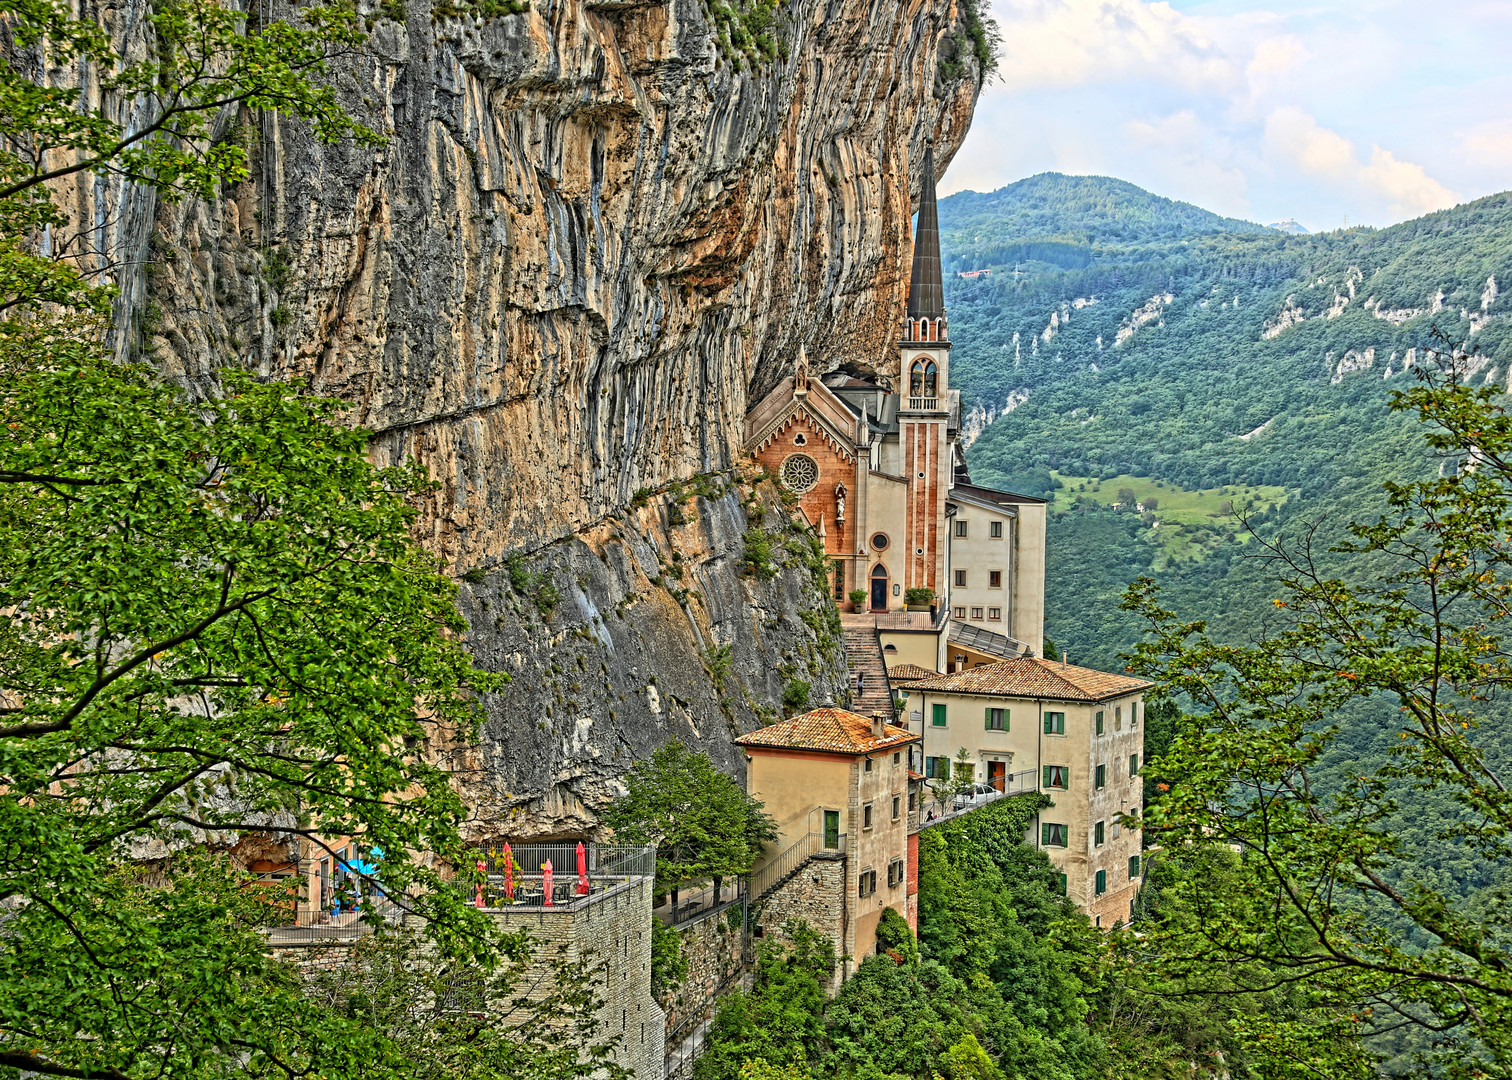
839 502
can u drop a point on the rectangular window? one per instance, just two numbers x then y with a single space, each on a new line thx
937 768
868 765
866 812
1133 715
1118 718
1060 884
839 572
1055 723
994 614
1057 776
867 883
976 613
1099 834
1102 882
996 530
895 872
832 829
960 527
937 715
994 579
959 613
1133 766
897 759
897 807
997 719
960 579
913 800
1133 867
1099 719
1052 835
1102 777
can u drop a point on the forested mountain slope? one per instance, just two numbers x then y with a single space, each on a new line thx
1118 334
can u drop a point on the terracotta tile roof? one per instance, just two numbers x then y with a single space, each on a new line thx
832 730
910 673
1035 677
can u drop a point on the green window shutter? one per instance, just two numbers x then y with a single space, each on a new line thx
1062 884
1044 834
938 715
989 719
1007 718
1047 724
1045 782
1133 765
1099 723
1102 882
1133 867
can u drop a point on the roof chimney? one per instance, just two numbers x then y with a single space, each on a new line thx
877 725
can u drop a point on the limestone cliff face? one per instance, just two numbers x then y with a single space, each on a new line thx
590 238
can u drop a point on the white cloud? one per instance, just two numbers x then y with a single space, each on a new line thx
1490 144
1295 136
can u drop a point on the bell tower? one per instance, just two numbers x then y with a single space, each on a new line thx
924 389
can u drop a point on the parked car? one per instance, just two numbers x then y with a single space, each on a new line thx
975 795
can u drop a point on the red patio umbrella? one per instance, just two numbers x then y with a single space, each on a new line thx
582 870
546 884
508 873
482 869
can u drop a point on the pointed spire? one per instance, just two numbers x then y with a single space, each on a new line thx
926 295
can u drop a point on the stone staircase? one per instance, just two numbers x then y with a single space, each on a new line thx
863 652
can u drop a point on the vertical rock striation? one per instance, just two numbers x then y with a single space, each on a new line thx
590 237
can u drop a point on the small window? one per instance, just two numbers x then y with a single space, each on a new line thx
1133 715
1056 776
1102 776
1133 766
959 613
913 801
1102 883
879 542
1118 718
994 614
937 715
995 530
960 528
1099 721
868 765
976 613
838 569
867 883
1052 835
866 816
1055 723
937 768
897 759
994 579
895 873
960 579
997 719
1133 867
1099 834
897 807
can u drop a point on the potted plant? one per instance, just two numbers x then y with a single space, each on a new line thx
919 598
858 599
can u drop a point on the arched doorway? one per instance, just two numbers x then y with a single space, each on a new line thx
879 588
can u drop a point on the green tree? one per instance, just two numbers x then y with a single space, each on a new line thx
1326 895
703 825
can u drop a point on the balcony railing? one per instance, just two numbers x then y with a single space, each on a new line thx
924 403
515 876
933 811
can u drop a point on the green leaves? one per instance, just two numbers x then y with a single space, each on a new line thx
1325 893
702 823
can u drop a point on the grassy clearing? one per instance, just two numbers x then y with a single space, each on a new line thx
1187 525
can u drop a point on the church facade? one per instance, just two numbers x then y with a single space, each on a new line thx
880 474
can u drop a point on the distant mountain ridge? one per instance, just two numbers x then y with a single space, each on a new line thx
1120 333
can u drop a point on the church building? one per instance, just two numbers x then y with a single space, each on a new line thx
950 573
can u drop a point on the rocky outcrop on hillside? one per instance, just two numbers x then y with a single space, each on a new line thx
593 232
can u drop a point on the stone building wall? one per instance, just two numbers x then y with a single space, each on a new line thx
817 895
714 947
615 929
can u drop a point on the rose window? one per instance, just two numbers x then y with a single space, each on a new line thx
799 473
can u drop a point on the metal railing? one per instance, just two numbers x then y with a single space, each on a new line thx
695 903
770 876
933 811
504 875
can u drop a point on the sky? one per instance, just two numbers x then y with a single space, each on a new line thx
1329 112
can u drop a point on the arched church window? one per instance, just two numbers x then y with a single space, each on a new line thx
916 378
930 373
799 473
